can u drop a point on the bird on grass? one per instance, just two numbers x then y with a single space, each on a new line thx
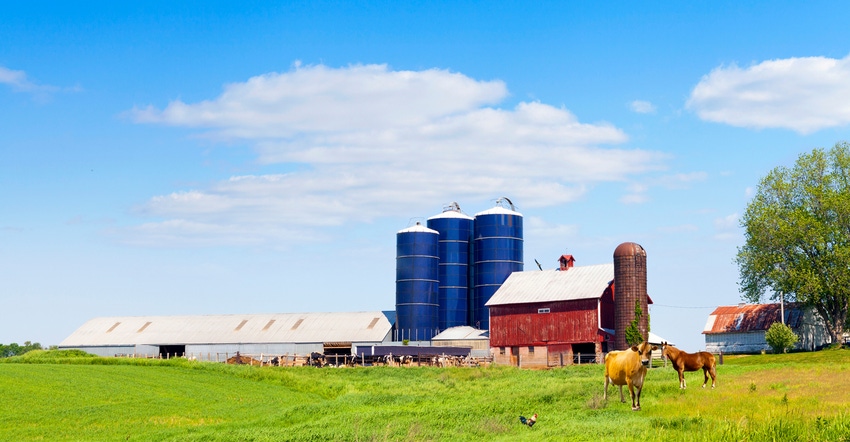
528 421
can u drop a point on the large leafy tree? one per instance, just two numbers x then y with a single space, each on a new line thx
797 231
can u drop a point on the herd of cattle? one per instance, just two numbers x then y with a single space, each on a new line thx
316 359
628 367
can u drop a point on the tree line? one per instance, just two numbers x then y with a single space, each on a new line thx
14 349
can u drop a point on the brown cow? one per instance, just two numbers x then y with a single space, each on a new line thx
683 362
628 367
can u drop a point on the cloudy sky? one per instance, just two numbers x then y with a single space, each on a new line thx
206 158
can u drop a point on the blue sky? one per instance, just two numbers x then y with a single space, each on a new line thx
206 157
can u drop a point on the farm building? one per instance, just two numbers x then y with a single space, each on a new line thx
553 317
464 336
741 328
214 337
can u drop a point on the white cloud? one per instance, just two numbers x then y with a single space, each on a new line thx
802 94
637 191
634 198
726 227
537 227
16 79
378 143
642 107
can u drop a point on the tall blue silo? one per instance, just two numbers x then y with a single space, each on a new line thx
498 253
455 252
417 283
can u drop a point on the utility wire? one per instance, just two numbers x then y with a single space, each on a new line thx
678 306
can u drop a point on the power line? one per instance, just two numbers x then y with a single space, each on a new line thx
679 306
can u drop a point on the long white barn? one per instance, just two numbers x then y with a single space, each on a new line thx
204 335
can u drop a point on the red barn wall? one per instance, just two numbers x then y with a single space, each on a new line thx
522 325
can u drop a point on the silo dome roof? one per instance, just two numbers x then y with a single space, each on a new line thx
418 228
451 214
498 210
629 249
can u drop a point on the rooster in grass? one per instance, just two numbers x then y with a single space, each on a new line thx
528 421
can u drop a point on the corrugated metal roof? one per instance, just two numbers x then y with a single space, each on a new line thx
461 332
585 282
751 317
226 329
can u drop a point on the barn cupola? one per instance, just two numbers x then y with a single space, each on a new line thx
566 261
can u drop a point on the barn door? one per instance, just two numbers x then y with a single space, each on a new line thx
515 360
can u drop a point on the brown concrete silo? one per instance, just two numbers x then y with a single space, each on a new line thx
629 288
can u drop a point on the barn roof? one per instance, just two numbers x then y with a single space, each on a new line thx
228 329
751 317
584 282
461 332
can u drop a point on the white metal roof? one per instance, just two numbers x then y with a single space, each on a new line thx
585 282
418 228
451 214
499 210
461 332
229 329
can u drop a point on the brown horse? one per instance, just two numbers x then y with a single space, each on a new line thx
683 362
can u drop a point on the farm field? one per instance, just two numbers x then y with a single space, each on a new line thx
49 396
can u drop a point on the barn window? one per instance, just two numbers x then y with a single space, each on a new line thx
241 324
531 350
268 325
143 327
501 350
113 327
543 310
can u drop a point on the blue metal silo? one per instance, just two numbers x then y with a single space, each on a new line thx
455 252
498 253
417 283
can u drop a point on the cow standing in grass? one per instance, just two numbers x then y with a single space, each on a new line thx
628 367
683 362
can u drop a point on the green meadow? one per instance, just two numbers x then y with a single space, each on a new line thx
65 396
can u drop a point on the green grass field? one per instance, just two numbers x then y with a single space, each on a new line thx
49 396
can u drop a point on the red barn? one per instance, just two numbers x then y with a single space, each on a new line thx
553 317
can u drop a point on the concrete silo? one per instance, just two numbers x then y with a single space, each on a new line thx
629 292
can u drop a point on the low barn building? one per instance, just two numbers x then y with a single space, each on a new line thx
465 336
214 337
547 318
741 328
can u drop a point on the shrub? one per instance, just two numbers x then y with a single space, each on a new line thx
780 337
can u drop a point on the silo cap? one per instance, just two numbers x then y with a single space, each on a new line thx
499 210
629 249
418 228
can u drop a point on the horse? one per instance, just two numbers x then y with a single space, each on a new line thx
683 361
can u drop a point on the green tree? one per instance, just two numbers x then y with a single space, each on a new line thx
780 337
14 349
797 236
633 334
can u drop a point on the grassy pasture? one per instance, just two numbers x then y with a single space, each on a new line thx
46 395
